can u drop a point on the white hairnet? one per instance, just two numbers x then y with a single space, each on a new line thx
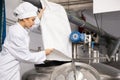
25 10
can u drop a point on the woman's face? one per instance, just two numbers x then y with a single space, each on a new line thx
29 22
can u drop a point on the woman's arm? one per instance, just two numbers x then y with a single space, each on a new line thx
36 27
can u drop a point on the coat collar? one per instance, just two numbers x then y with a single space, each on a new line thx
25 31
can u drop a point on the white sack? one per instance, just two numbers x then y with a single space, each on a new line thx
57 55
55 28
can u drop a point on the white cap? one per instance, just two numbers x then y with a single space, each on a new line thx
25 10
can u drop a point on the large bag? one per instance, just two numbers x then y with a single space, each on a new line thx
55 28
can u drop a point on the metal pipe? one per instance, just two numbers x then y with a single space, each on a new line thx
79 22
68 5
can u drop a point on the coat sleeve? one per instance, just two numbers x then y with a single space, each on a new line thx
20 51
36 27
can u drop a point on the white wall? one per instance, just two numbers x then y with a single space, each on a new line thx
102 6
10 6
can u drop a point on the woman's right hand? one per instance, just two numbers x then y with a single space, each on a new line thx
48 51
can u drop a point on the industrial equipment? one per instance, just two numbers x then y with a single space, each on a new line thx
64 72
97 47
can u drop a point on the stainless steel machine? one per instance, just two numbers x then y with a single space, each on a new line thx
80 71
93 50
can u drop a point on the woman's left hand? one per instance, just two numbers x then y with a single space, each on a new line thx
41 13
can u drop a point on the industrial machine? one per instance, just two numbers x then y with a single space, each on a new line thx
92 49
78 71
94 57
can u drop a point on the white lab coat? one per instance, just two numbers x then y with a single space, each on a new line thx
16 50
56 28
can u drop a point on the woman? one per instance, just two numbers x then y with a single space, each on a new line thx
16 45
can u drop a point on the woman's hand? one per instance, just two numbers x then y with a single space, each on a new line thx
48 51
40 13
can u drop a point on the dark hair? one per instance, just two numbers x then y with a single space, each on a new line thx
36 3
